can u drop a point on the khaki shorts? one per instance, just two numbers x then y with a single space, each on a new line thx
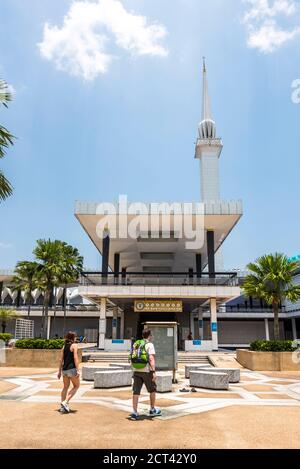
140 378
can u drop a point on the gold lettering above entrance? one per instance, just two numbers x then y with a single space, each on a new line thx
158 306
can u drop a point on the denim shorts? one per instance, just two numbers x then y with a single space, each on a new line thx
70 373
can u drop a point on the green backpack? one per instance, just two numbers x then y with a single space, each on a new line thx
139 357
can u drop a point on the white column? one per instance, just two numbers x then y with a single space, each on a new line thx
48 327
102 324
115 322
122 325
200 323
267 329
214 323
294 328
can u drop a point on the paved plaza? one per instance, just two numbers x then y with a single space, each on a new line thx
262 410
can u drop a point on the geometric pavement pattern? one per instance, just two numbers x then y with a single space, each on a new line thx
254 388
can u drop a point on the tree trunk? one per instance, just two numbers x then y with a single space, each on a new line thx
65 310
3 325
29 304
54 308
276 320
47 300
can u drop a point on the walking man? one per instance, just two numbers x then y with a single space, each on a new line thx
143 363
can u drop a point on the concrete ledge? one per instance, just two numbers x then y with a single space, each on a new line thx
192 366
112 379
33 358
268 361
209 380
123 366
233 373
88 372
164 381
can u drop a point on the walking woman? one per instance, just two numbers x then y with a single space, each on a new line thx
69 369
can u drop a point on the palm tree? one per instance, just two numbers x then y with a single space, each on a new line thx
59 263
25 279
6 139
6 315
271 279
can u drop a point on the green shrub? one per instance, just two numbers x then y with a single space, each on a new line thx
5 337
272 346
40 343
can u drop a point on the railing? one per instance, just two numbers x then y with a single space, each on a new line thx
158 278
70 307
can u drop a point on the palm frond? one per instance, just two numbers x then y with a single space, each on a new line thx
5 94
5 187
6 140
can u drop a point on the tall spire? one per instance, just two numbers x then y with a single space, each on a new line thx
207 127
206 110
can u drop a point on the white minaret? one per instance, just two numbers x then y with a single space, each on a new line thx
208 149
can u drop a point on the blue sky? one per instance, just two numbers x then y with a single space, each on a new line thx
129 128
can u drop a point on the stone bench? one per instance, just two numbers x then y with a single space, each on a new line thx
112 378
89 371
209 379
192 366
123 366
233 373
164 381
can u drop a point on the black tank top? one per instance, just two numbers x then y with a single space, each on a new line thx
69 362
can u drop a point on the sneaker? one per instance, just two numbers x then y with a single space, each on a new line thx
134 416
155 412
65 406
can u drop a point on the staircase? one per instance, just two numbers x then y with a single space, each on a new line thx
122 357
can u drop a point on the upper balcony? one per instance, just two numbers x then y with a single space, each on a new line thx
159 279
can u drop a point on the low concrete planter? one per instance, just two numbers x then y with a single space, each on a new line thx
32 358
112 378
268 361
164 381
209 380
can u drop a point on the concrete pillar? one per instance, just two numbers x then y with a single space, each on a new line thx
200 323
198 265
48 327
123 275
115 323
116 267
294 329
122 326
192 325
105 256
210 242
214 323
267 329
102 324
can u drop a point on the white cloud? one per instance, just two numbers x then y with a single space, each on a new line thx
262 21
81 45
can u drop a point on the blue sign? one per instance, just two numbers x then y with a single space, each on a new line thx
117 341
196 342
214 326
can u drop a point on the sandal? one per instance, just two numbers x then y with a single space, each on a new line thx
193 390
184 390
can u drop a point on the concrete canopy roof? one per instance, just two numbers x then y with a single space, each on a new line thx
160 254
